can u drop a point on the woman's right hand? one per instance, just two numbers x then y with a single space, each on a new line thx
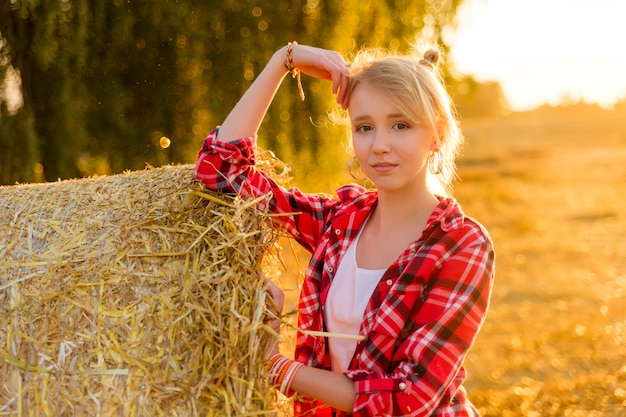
245 118
324 64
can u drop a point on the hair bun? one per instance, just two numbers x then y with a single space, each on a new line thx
431 57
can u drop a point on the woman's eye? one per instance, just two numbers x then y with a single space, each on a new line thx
401 126
364 128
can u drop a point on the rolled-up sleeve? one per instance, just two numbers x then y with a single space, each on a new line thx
229 167
224 166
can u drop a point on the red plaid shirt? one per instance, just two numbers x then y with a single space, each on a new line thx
421 319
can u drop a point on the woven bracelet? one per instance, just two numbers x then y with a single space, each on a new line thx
295 73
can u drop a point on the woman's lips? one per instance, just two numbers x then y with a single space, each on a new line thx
383 167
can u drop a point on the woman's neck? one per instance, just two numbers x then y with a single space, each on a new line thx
391 227
399 211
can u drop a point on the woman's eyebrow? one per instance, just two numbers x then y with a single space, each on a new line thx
389 116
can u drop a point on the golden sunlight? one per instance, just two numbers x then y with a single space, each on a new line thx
544 51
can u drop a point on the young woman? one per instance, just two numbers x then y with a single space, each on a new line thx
401 269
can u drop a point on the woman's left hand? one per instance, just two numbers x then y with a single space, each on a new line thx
274 303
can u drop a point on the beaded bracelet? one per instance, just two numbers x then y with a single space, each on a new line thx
295 73
277 367
290 375
282 372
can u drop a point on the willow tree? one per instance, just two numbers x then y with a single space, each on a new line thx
45 43
103 82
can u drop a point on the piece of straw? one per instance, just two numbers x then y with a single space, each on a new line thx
335 335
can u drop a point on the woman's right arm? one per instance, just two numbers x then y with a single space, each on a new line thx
245 118
226 160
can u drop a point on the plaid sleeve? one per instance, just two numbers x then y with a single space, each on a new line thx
425 345
229 167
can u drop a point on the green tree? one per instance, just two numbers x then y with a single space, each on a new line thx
34 50
102 82
480 99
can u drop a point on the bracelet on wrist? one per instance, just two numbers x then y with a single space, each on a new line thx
291 68
282 371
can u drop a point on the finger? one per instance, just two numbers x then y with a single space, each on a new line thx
342 84
275 298
338 70
344 90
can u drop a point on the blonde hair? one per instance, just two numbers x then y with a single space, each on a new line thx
416 86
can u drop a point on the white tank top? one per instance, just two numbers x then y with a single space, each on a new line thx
348 297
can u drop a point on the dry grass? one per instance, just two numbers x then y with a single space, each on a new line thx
136 295
552 194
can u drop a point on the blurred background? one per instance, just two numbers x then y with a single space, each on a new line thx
88 87
96 88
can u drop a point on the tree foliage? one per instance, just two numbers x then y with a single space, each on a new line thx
103 81
476 99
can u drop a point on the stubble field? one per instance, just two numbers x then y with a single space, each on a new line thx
552 191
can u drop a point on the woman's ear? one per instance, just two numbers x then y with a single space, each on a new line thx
438 140
436 145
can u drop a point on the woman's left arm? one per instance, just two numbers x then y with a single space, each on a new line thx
331 388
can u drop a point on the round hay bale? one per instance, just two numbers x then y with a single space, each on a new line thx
137 294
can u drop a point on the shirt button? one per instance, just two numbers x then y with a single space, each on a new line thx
330 269
402 386
389 282
337 231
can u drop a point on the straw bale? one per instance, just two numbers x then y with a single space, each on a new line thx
138 294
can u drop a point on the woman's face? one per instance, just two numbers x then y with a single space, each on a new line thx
392 150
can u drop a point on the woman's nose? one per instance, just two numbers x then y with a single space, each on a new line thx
381 142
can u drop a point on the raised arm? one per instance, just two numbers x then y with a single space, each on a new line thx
245 118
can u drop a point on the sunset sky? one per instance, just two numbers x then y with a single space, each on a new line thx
544 50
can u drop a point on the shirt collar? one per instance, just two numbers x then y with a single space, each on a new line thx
448 214
357 196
